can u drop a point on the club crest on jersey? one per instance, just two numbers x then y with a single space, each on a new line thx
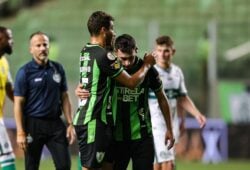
163 155
6 145
99 156
111 56
116 65
57 77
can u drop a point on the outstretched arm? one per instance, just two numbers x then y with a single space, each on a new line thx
164 106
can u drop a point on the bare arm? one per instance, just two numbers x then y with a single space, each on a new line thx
181 115
18 113
138 77
9 88
187 104
67 111
9 91
164 106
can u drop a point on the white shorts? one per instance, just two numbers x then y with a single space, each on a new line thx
5 144
162 154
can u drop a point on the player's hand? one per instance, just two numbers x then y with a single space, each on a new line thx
21 140
169 139
150 58
81 93
71 135
201 120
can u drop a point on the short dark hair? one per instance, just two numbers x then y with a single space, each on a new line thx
97 20
3 29
165 40
126 43
38 33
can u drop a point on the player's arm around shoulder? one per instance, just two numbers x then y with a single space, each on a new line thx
138 77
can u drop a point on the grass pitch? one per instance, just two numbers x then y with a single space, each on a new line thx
47 164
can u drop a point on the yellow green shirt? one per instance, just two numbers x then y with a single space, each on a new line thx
4 73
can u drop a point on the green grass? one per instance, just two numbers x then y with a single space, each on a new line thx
47 164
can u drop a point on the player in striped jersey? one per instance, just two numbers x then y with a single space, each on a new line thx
175 89
132 130
97 67
7 157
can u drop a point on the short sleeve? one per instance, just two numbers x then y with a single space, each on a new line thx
110 64
182 89
155 82
20 87
64 86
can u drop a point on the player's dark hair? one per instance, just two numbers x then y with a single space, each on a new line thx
97 20
3 29
126 43
165 40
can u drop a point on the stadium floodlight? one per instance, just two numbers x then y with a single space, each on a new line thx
238 51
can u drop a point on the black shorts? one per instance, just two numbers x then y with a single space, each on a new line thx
140 151
93 140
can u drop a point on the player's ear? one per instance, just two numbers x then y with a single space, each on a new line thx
174 50
103 31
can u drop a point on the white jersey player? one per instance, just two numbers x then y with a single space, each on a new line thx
174 86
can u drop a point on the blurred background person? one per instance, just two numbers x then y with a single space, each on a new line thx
7 157
41 97
175 89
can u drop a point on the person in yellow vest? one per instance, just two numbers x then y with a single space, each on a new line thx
7 157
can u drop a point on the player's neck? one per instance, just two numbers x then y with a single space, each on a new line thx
97 40
1 54
163 65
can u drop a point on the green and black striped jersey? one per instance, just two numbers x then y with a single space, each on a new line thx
97 67
131 106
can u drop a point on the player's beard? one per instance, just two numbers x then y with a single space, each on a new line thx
8 49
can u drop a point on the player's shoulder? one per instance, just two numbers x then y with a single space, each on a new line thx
3 58
94 49
55 63
4 61
27 65
24 69
111 56
176 68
